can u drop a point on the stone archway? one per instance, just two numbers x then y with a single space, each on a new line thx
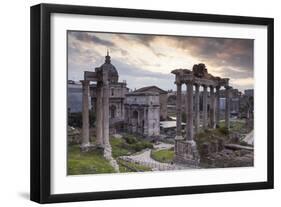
135 117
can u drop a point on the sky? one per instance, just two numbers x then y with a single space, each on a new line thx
144 60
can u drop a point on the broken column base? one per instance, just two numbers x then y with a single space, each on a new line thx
108 157
88 147
186 152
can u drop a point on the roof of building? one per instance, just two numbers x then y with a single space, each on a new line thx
145 93
149 88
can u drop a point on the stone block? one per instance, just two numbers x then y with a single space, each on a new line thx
186 153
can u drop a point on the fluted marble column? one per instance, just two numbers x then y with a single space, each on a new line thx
217 106
179 113
227 106
197 115
205 115
189 111
85 114
212 107
99 113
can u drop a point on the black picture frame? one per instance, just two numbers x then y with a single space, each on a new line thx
41 99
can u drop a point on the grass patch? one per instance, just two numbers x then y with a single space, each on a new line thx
94 163
166 155
129 144
118 149
86 163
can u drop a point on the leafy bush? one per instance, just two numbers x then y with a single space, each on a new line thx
224 130
130 139
141 146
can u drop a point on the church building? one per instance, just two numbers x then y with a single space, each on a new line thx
117 92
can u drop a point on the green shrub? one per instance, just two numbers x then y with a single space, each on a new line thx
130 139
224 130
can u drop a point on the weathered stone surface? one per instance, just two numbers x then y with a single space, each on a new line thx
85 115
186 152
197 115
234 138
73 135
214 146
238 147
221 143
229 158
205 115
205 149
87 148
212 108
217 106
227 106
142 114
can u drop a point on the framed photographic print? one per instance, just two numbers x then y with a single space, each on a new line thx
133 103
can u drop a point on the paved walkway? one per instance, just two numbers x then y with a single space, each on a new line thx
144 159
162 145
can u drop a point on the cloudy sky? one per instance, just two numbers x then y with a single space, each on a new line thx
144 60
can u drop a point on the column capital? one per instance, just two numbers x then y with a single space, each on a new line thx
204 87
218 87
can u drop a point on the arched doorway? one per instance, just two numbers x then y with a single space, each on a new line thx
135 117
112 111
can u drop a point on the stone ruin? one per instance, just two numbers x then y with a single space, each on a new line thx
185 147
102 76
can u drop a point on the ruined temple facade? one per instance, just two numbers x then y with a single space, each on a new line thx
142 111
185 147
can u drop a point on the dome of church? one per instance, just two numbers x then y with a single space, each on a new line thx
112 72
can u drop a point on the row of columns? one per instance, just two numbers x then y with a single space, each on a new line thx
214 108
102 113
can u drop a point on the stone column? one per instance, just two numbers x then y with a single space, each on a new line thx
205 115
197 115
179 113
105 102
227 106
212 107
99 115
85 115
217 106
189 111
